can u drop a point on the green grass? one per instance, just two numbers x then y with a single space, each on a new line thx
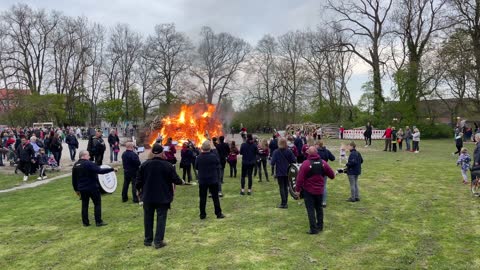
10 180
414 214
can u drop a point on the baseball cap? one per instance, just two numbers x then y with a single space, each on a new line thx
157 149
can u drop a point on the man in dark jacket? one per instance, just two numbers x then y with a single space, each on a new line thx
96 147
354 169
248 150
310 180
155 184
72 143
207 164
223 150
131 163
85 183
25 157
273 145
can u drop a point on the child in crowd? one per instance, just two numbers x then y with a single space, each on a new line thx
464 163
42 160
52 163
343 154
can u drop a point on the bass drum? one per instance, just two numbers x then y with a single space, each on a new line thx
107 182
293 170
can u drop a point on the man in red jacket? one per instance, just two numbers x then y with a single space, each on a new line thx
311 181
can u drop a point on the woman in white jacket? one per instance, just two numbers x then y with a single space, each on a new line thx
416 140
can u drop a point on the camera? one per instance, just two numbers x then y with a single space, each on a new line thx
343 170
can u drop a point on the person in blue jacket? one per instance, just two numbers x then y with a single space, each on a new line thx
281 159
249 151
354 169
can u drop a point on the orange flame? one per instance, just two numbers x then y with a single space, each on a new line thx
194 122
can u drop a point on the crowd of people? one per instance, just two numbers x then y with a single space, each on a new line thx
34 150
153 182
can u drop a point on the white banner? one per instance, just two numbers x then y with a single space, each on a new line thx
357 134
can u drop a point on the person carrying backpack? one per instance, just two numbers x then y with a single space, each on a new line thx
310 182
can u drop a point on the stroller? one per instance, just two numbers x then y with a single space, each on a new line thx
52 163
12 156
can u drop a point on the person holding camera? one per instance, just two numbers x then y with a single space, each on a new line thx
311 182
155 182
354 169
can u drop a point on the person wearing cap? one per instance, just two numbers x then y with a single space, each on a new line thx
96 147
155 182
311 181
207 164
85 183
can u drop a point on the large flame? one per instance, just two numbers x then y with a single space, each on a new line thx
194 122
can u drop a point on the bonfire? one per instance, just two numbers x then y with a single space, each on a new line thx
196 123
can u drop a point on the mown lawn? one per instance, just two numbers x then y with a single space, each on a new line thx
414 214
10 180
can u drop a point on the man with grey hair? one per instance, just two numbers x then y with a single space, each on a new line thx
207 164
131 163
85 183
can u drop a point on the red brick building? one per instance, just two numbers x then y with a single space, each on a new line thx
9 98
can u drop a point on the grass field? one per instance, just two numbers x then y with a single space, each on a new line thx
11 180
414 214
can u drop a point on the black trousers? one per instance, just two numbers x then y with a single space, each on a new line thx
127 179
187 172
73 152
233 168
97 202
25 167
394 147
57 156
313 204
459 149
388 145
400 144
262 163
99 159
149 210
368 140
247 171
203 191
283 186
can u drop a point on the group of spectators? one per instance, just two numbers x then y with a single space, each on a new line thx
395 137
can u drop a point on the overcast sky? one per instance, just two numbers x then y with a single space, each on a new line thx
248 19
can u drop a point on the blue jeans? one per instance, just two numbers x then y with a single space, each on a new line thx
407 143
73 152
113 155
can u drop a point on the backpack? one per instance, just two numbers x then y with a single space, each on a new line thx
316 167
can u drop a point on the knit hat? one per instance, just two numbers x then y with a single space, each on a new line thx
157 149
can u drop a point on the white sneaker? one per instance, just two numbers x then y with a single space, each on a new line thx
45 177
416 152
366 146
39 178
25 178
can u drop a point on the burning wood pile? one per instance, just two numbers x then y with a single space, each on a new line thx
197 123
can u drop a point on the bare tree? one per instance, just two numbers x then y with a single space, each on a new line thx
29 34
467 15
123 51
170 54
148 80
292 67
364 21
264 67
219 58
418 21
95 75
